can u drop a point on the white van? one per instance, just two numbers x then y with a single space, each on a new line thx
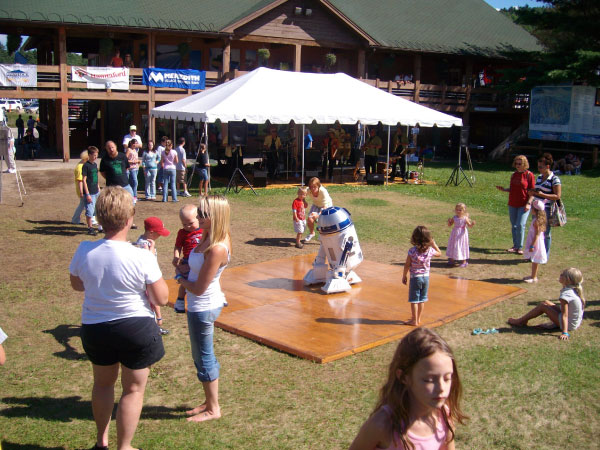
11 105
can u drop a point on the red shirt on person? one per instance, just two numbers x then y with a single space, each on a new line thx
519 183
300 208
188 240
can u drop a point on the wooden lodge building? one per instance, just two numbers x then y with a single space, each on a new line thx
441 53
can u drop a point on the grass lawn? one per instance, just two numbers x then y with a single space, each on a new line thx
522 388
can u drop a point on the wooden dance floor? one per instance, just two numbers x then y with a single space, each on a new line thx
269 303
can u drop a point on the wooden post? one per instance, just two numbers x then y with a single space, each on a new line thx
469 76
102 122
226 57
361 64
417 77
298 58
151 89
63 102
444 89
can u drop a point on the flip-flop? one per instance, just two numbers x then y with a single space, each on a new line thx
490 331
477 331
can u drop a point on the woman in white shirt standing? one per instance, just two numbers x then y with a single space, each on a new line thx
205 299
118 328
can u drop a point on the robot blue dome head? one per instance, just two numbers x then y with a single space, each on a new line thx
333 220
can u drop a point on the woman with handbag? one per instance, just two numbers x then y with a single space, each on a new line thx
547 188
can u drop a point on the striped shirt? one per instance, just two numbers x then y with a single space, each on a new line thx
546 186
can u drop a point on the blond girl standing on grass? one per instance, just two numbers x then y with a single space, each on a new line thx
458 243
535 249
419 404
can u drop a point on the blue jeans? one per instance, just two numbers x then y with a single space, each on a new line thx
76 219
518 219
150 178
133 180
201 327
417 289
169 181
548 233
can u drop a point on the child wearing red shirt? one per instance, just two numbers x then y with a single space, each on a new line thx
188 238
299 214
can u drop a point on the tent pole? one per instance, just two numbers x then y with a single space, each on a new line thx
302 143
387 164
208 154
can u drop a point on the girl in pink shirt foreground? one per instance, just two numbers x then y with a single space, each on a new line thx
419 404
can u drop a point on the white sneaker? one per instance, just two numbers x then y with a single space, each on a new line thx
180 306
309 237
10 171
186 194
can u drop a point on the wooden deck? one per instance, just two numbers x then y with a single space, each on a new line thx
269 303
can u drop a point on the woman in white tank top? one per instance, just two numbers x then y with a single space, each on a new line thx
206 299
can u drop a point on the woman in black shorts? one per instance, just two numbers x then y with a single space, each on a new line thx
118 328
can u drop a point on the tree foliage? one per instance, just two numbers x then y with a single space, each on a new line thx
13 43
569 31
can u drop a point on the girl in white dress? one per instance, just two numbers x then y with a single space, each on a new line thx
535 250
458 243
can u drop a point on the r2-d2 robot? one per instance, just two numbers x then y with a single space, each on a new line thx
339 252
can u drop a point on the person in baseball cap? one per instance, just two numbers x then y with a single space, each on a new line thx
155 225
153 229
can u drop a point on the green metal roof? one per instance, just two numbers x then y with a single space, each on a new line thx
445 26
183 15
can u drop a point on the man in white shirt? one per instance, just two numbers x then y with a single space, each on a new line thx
181 167
132 135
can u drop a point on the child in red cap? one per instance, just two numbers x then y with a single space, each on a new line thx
153 229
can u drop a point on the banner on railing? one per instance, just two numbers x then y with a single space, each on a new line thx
102 77
23 75
182 79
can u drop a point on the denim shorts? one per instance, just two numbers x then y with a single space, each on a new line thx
90 208
134 342
417 289
201 327
203 174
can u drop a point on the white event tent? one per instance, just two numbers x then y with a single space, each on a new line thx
281 96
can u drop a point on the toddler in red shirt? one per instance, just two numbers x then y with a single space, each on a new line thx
299 214
188 238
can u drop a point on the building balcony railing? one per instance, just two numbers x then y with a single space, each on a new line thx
440 97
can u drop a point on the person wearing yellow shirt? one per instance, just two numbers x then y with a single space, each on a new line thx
272 144
372 151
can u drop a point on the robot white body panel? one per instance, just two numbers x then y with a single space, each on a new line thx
339 252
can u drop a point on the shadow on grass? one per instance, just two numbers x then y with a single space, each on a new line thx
67 409
496 262
503 280
272 242
63 335
55 228
527 330
12 446
359 321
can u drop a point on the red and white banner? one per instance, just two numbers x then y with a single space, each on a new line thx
102 77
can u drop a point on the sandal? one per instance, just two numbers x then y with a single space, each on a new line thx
511 250
519 252
97 447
